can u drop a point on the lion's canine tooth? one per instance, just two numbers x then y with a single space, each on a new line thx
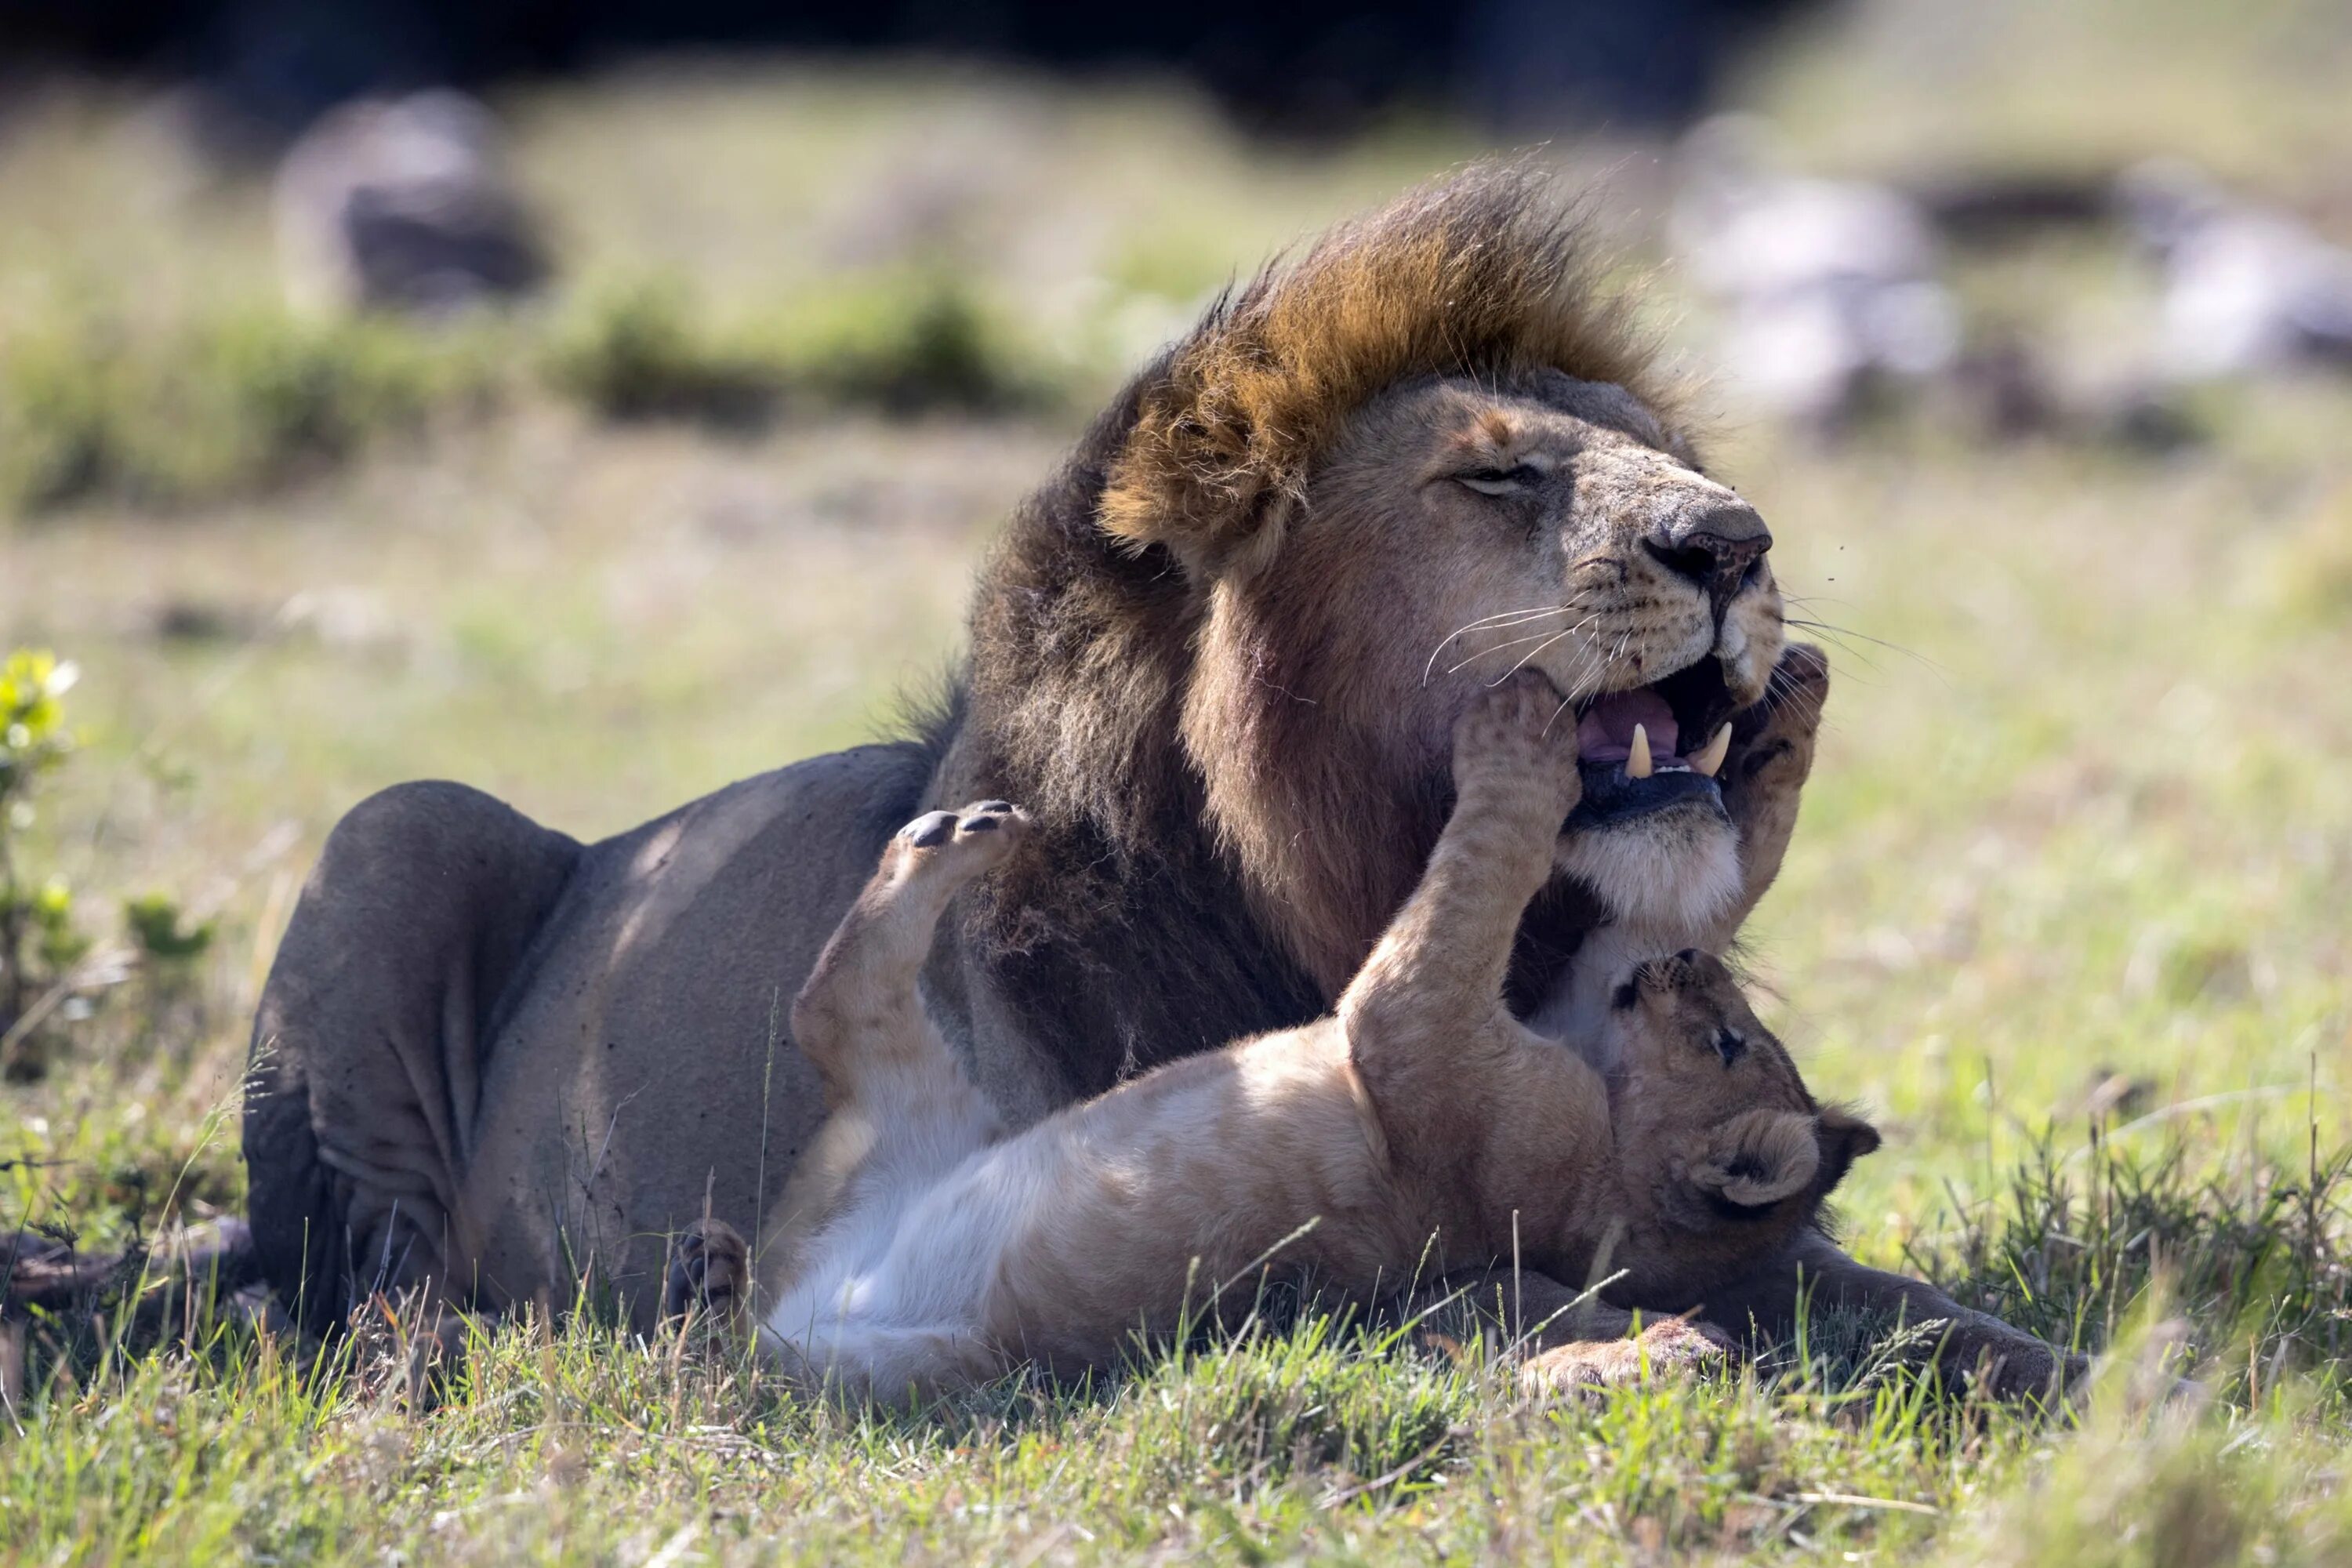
1637 761
1710 758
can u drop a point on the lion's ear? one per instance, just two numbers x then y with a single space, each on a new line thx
1213 535
1215 527
1214 459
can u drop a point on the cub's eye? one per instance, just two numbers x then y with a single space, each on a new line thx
1729 1044
1513 480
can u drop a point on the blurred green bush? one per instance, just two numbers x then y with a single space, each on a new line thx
89 407
904 344
639 351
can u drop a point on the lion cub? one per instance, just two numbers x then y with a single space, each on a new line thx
1418 1130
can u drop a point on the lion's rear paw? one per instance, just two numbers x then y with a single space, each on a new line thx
1667 1351
709 1271
2009 1364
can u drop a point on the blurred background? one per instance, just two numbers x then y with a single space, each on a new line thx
600 403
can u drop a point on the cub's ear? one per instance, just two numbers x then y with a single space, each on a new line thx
1843 1137
1758 1158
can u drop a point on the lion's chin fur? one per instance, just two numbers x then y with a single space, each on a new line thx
1673 874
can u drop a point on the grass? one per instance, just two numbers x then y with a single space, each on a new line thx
2066 911
1314 1441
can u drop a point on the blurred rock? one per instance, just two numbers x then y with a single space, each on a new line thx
404 205
1997 208
2249 290
1829 287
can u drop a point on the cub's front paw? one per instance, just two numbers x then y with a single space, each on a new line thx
710 1272
1670 1349
1517 733
1772 738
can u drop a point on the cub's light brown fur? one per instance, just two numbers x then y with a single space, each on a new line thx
1418 1130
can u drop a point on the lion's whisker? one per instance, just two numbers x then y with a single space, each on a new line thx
1585 669
1839 634
1503 621
1546 638
1529 655
1512 617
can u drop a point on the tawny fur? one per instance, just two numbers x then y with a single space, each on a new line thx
1220 654
1235 764
1418 1129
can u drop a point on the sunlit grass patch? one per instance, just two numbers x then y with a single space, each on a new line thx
1303 1437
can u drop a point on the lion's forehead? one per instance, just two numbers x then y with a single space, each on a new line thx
1605 407
1553 409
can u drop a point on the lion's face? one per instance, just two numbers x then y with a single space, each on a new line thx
1366 482
1553 524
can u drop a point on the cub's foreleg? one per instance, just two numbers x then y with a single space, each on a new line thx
1771 755
1426 1011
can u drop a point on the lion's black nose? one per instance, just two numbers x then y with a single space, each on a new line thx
1715 550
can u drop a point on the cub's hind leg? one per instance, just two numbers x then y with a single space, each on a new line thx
900 1108
860 1017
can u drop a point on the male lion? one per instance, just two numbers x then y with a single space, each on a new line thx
1417 1126
1218 657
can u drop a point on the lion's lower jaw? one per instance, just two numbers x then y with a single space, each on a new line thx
1668 878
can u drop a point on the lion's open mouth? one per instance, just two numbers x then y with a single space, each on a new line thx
1652 747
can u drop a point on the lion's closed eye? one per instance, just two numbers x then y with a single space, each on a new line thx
1516 480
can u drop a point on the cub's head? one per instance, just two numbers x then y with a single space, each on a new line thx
1425 454
1723 1152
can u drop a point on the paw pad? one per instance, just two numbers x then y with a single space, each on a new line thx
987 817
929 830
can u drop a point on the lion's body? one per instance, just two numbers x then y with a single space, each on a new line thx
628 1018
1217 657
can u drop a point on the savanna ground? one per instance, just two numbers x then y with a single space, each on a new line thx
2067 910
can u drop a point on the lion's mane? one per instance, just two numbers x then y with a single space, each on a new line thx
1087 622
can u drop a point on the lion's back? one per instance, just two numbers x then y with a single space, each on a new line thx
640 1068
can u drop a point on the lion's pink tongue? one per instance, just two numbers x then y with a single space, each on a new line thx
1605 733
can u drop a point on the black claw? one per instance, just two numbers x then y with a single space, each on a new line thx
930 830
983 823
997 807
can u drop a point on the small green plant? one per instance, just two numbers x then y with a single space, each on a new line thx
160 929
39 942
42 943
